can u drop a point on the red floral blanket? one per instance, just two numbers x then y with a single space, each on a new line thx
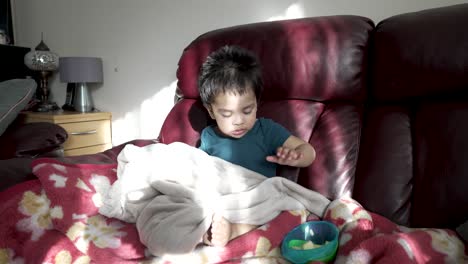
55 220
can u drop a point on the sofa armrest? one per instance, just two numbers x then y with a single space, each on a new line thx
31 140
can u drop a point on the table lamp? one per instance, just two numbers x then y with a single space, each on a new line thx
80 71
44 61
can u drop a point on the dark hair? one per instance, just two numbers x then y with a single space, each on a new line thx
230 68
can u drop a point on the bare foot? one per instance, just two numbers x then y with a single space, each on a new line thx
222 231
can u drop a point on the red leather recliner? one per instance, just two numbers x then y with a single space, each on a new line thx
314 72
385 107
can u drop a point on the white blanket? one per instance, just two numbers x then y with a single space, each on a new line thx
172 191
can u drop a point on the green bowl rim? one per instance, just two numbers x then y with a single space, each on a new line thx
322 256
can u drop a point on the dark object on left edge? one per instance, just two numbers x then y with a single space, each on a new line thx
21 143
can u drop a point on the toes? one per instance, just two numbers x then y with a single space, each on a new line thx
220 231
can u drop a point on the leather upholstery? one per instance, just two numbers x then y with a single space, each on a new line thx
385 107
314 73
421 54
326 53
412 164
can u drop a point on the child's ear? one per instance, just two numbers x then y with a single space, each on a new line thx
210 110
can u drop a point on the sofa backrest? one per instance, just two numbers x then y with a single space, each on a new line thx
412 164
314 72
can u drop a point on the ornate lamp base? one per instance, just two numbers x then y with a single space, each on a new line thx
46 107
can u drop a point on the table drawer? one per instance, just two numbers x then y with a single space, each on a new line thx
84 134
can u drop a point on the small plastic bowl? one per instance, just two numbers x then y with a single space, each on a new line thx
296 244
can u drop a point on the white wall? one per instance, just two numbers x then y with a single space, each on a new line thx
140 42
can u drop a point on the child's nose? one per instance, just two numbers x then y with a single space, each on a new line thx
238 120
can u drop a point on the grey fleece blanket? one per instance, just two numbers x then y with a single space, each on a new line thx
172 191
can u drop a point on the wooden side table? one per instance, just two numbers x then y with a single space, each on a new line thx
88 133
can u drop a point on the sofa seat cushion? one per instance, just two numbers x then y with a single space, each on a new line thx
412 167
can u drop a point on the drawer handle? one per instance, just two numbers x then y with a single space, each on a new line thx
83 133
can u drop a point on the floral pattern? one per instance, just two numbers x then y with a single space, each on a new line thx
264 248
447 244
37 208
95 230
57 216
64 257
7 255
102 185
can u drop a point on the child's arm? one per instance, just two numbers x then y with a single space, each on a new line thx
294 152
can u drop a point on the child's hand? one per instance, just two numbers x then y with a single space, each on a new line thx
286 156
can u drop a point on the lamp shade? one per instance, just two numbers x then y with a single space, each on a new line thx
80 69
41 59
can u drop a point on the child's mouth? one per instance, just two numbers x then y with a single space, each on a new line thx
238 132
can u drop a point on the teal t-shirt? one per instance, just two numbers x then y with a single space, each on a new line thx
249 151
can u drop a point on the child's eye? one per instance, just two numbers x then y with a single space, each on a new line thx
226 115
247 110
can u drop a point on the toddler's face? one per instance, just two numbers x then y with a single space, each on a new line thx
235 114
